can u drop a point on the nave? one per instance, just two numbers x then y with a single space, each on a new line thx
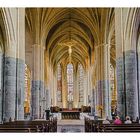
72 60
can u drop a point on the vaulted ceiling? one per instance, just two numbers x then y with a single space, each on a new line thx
83 28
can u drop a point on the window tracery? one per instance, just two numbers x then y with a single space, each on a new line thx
70 81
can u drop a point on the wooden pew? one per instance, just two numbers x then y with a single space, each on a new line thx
91 125
119 128
17 130
97 126
30 126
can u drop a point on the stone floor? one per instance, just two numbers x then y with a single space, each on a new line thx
70 126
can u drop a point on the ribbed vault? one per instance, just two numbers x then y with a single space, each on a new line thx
85 28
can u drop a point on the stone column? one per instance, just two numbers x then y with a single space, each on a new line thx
41 99
120 87
138 53
96 98
38 86
103 89
99 83
48 98
36 83
91 90
20 89
93 102
42 86
88 88
51 85
9 88
120 79
131 84
64 88
20 64
75 92
106 82
85 89
55 89
1 86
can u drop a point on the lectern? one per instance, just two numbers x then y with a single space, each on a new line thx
47 114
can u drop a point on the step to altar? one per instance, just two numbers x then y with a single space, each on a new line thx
70 126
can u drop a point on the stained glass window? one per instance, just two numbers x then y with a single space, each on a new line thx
111 79
81 82
70 81
59 83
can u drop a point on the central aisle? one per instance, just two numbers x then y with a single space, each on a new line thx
70 126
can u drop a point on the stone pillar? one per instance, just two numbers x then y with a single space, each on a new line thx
20 89
103 88
120 63
131 84
9 88
97 99
120 87
88 88
42 86
127 101
98 82
106 82
20 64
91 90
41 100
1 86
75 92
85 89
138 53
93 102
48 99
36 83
64 88
54 89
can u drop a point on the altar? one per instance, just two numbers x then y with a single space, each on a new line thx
70 114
